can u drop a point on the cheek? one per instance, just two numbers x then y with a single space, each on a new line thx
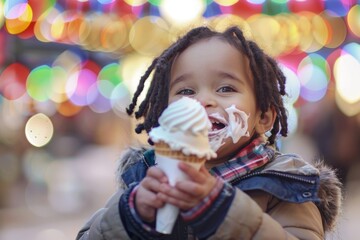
173 98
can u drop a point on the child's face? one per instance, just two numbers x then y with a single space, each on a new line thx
218 76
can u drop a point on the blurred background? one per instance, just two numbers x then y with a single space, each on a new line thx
68 69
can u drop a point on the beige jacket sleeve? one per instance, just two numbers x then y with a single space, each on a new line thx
247 219
105 223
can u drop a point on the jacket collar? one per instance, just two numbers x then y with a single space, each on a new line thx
253 156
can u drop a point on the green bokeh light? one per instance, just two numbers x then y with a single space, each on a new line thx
111 73
155 2
39 83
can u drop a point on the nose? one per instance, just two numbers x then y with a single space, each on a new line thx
206 100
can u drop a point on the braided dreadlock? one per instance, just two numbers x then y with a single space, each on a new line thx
268 79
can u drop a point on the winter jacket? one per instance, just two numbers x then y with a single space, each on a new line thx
287 199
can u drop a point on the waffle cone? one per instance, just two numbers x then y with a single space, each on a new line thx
164 149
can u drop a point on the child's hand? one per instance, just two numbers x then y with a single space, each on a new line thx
188 193
146 200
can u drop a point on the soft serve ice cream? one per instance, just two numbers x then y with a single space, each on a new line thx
183 128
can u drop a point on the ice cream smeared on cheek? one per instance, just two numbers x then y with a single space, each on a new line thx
238 123
236 127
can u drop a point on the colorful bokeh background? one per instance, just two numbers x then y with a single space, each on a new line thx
68 69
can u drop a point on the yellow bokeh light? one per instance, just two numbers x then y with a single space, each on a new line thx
226 2
58 88
57 27
39 130
20 24
320 32
149 30
353 20
179 13
2 17
222 22
133 66
313 31
114 36
337 30
346 73
135 2
266 32
349 109
288 31
42 29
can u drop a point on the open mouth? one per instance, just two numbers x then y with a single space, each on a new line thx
217 126
217 123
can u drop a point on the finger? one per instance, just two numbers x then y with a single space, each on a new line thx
192 172
157 173
151 184
144 197
195 189
192 189
182 204
174 192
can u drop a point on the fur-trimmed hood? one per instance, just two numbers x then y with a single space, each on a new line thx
329 193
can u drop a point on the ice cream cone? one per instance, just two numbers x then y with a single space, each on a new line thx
166 216
182 136
162 148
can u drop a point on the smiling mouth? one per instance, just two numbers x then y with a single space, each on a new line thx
218 124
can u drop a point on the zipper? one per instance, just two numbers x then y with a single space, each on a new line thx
279 174
144 160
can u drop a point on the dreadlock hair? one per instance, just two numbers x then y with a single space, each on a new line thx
269 80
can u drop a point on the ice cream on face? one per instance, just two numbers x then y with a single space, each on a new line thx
236 127
184 126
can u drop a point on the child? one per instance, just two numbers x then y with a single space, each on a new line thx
250 190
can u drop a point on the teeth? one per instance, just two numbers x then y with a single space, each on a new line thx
216 122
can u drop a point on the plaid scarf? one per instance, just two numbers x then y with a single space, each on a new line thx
255 155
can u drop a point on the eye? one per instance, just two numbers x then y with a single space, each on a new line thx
185 91
226 89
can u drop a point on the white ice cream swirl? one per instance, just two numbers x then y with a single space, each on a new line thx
184 126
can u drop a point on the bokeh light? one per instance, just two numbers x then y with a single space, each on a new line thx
135 2
337 30
39 83
226 2
78 86
120 99
13 81
39 130
18 18
147 30
293 119
313 78
353 20
68 109
339 8
39 7
133 67
14 8
292 86
347 72
179 12
2 17
97 101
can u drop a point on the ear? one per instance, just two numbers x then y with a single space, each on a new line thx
266 122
